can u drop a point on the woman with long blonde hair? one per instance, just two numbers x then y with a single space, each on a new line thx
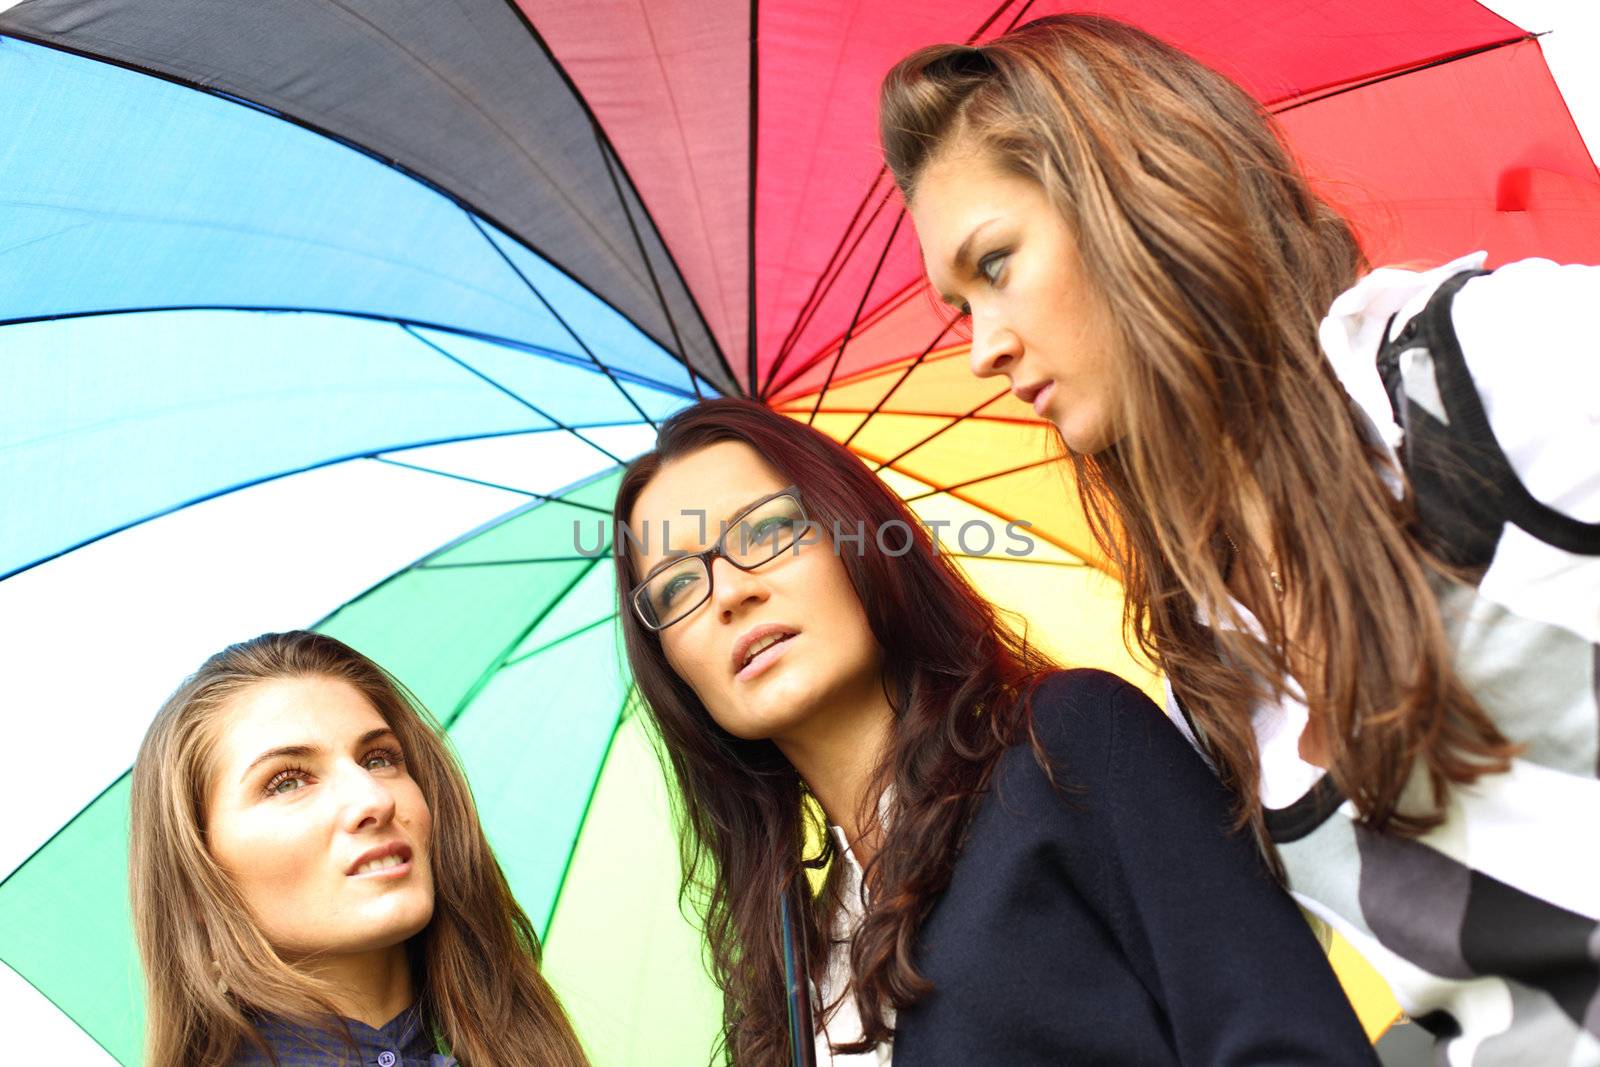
310 882
1357 514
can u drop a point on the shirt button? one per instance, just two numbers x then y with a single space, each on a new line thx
385 1058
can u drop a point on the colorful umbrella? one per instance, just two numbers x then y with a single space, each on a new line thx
347 315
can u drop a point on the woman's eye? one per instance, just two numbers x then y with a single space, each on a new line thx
285 782
993 265
772 529
381 758
670 591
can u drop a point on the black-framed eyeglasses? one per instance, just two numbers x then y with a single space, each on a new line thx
757 535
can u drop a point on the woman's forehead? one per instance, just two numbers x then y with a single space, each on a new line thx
695 494
955 198
311 711
726 474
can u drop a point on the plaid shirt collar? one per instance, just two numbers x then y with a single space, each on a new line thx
403 1041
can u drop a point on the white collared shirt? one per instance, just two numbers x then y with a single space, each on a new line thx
844 1024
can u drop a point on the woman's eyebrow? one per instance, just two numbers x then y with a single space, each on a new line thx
305 751
372 735
963 255
722 524
291 751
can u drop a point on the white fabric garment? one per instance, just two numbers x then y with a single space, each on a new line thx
1489 925
1545 414
1529 336
845 1022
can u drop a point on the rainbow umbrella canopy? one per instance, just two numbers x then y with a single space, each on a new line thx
348 315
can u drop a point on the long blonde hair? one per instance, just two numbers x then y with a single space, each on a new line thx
209 971
1217 262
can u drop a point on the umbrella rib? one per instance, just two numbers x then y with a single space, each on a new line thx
898 383
1070 563
64 827
565 499
753 119
583 104
547 646
588 804
995 14
36 853
655 282
248 484
883 310
1009 26
992 420
522 635
807 309
952 424
860 307
1072 550
470 369
1301 101
490 485
828 275
519 562
534 289
355 146
524 347
981 478
462 539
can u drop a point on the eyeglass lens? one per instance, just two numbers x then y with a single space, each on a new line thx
760 536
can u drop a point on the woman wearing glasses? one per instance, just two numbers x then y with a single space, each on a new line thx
1030 866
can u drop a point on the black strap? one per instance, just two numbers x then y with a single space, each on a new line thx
1300 818
1315 807
796 976
1465 487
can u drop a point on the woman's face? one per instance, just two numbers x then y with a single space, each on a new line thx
995 248
827 657
313 815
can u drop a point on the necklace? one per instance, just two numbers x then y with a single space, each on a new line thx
1272 574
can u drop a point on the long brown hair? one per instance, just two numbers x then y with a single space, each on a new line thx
208 969
1217 261
958 679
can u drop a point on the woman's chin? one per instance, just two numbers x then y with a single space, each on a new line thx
379 932
774 712
1083 436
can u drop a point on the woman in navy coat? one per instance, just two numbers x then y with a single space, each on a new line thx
1029 866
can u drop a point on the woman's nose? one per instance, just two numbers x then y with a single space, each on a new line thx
994 349
365 802
732 587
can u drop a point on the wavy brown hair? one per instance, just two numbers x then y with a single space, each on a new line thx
209 971
959 681
1217 262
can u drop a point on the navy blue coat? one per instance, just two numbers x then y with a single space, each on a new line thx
1119 921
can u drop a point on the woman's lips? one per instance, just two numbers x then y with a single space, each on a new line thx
1041 399
392 860
764 659
398 870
